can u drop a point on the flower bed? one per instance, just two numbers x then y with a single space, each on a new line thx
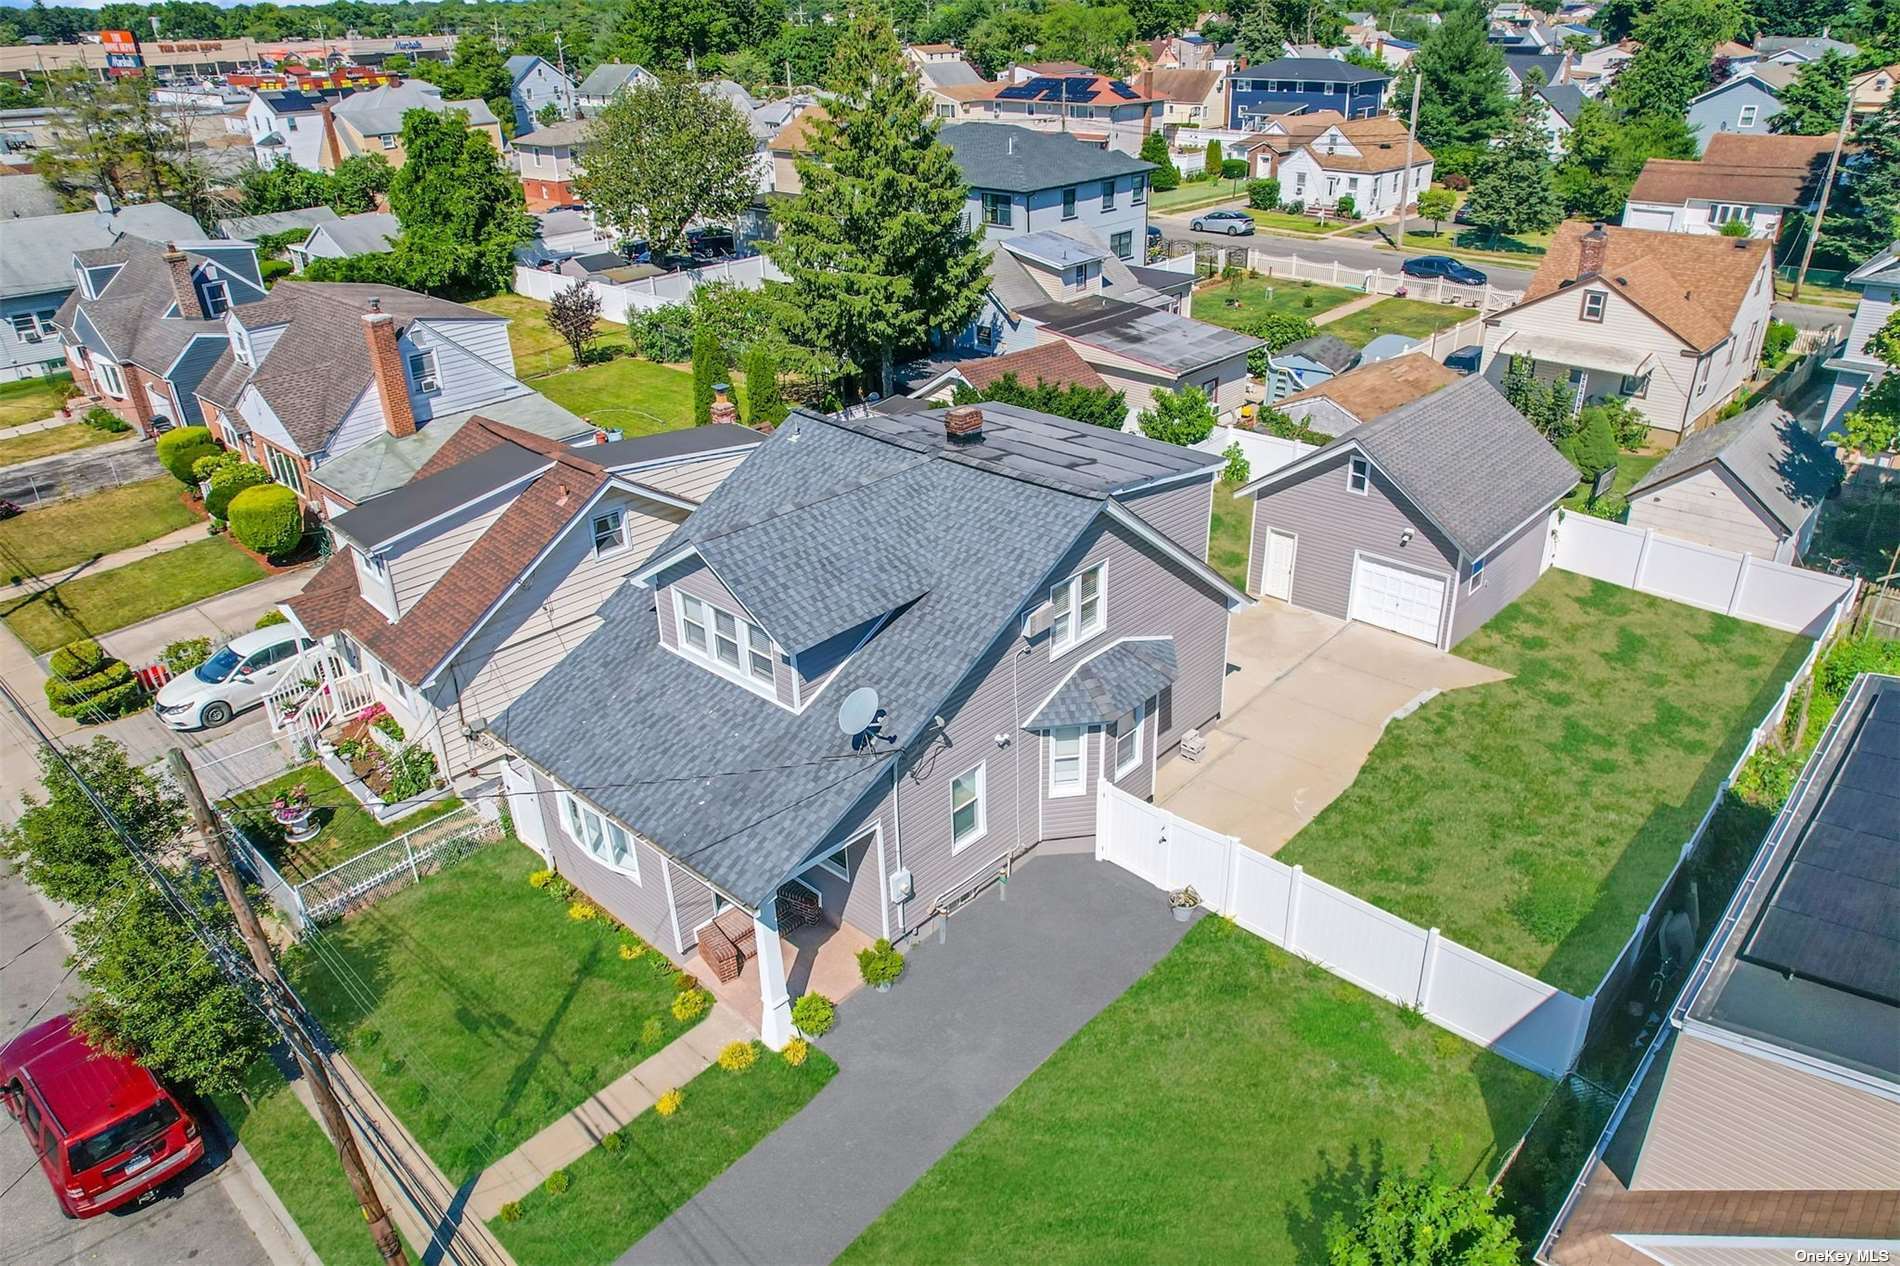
390 777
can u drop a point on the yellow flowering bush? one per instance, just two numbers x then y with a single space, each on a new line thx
669 1103
796 1051
736 1057
690 1004
583 912
540 879
631 950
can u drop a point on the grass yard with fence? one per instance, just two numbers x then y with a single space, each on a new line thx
346 828
1261 297
93 603
1533 820
538 349
1413 318
636 397
65 534
1224 1109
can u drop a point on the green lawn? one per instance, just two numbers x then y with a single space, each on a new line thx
1266 297
30 399
65 533
618 1196
300 1165
59 439
1630 467
483 1011
1222 1110
1413 318
538 349
1534 819
347 827
1522 250
1281 222
1232 534
1195 196
99 602
637 396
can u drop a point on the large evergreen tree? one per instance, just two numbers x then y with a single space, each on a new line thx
1513 191
1678 41
1813 104
1865 216
875 248
1464 100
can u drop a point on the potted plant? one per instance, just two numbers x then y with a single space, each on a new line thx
292 811
1183 901
880 965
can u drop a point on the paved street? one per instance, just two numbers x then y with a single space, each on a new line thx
74 474
194 1221
1349 252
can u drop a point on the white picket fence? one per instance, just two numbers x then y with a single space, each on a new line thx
1792 599
1376 281
617 301
1500 1008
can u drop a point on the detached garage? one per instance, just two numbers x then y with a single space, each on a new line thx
1426 520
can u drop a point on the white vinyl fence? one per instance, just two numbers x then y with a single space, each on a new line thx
1265 453
1792 599
1377 281
617 301
1500 1008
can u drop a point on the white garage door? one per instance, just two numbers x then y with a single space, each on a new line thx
1397 599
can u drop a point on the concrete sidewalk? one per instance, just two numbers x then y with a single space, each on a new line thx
106 562
1346 309
28 428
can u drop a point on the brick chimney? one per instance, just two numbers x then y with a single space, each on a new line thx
963 424
723 411
1592 248
385 362
190 305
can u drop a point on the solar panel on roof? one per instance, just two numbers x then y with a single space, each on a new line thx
1078 89
1019 92
1122 90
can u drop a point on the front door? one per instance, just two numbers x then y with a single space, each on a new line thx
1276 576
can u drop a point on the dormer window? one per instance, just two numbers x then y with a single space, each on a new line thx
729 643
422 370
1079 612
217 298
1593 304
610 533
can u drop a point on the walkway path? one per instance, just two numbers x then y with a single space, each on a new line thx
1347 309
577 1133
28 428
920 1066
106 562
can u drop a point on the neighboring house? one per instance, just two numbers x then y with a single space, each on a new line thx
548 160
1094 109
1386 347
1672 322
1561 104
1857 370
950 81
315 372
1025 627
1593 71
248 228
36 274
146 324
1793 50
286 126
1427 520
1764 1128
453 598
1140 349
1361 159
535 83
1189 98
1277 138
367 233
371 122
1745 104
562 235
1740 57
1291 85
26 196
1056 364
1366 391
1749 180
605 82
1306 363
1873 89
1753 484
1526 71
1021 181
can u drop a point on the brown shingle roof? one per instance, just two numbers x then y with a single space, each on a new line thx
1378 388
1693 285
1188 87
1057 364
1799 153
795 137
1381 145
1674 182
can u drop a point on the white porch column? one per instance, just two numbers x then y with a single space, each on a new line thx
775 1015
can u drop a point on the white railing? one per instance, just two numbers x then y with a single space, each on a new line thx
1498 1007
394 863
320 688
1376 281
250 859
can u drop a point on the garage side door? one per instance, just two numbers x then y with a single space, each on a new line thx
1394 598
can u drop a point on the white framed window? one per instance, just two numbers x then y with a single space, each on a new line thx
734 646
1123 244
111 379
284 468
1747 117
1358 475
1730 213
610 533
1079 277
1128 742
389 140
605 840
1636 386
34 327
1079 612
1138 187
1068 761
217 298
969 808
997 209
985 334
1475 581
1594 302
838 863
422 369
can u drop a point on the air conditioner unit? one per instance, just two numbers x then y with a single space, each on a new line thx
1036 620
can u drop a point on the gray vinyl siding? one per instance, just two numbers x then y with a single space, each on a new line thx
1509 570
694 901
641 906
191 370
20 356
854 900
488 340
1331 522
467 381
1182 512
1727 1121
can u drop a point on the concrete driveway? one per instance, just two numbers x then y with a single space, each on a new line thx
1307 697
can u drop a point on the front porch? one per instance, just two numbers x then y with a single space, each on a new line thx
819 957
1591 371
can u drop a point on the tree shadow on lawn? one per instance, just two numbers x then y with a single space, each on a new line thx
1339 1192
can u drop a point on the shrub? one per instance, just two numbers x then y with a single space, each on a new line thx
1233 168
1766 779
736 1057
180 448
510 1212
558 1182
388 726
540 878
1852 656
1591 448
1627 423
78 659
652 1031
690 1004
267 518
796 1052
270 619
186 654
101 419
1183 417
107 705
1347 208
1295 207
662 334
709 368
1237 469
273 271
1608 506
1277 329
227 481
764 402
630 950
210 464
1734 228
1775 343
613 1142
1457 182
411 772
74 690
669 1103
814 1014
103 691
684 980
1263 195
583 912
880 964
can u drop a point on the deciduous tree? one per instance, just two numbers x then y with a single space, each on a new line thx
1678 39
61 844
1098 406
574 314
1437 205
1424 1220
1184 417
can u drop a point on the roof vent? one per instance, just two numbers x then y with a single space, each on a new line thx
963 424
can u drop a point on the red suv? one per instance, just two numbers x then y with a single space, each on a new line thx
105 1130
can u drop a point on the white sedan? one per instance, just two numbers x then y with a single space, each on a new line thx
236 677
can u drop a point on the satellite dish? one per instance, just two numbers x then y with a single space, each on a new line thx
858 712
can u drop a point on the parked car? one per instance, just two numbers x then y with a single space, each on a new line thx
237 677
1466 359
1232 223
1434 266
106 1132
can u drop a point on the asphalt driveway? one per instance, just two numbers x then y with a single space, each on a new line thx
921 1065
1307 697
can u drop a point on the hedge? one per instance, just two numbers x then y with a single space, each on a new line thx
90 686
108 706
78 659
228 481
69 690
179 450
268 519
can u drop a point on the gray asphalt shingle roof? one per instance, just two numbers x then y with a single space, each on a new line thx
379 111
608 78
1321 69
1109 684
1566 99
243 227
1150 336
1014 159
38 254
1322 349
388 462
1768 452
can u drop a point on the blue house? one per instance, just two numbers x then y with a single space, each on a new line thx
1308 363
1292 84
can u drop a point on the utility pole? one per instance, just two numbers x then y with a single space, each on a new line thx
382 1230
1411 138
1820 212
